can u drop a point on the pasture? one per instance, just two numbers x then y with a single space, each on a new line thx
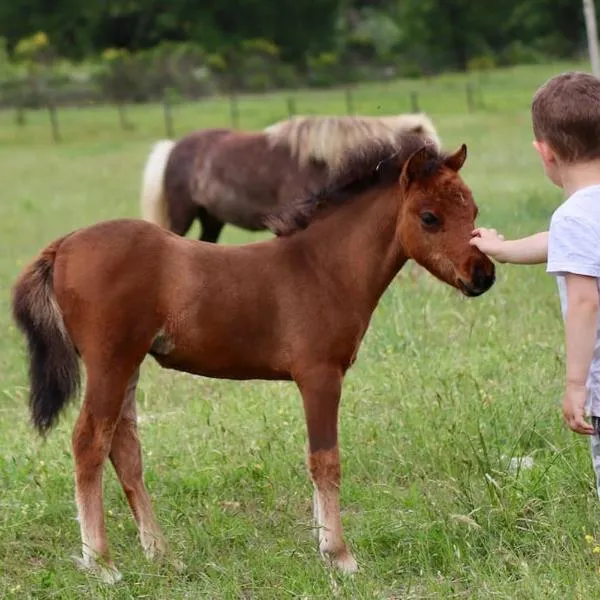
446 395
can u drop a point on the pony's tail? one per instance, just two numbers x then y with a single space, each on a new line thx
54 374
153 203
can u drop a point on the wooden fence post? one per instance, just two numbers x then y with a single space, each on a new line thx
349 100
291 106
470 97
53 119
168 114
125 124
234 110
414 102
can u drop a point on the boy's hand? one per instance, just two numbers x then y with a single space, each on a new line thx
574 407
489 241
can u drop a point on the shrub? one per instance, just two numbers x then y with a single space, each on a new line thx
178 65
258 63
120 79
517 53
485 62
324 69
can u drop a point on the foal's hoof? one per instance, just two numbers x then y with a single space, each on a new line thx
343 561
154 547
107 573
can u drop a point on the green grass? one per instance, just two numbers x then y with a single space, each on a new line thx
445 392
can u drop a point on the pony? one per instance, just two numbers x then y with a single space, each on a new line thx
294 307
223 176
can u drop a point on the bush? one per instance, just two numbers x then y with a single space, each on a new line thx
517 53
324 69
286 76
260 47
254 65
485 62
178 65
121 80
408 69
35 48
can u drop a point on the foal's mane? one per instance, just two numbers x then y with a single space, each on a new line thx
374 165
327 139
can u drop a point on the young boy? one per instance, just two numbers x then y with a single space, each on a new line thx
566 126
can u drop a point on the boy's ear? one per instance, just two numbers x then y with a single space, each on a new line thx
546 153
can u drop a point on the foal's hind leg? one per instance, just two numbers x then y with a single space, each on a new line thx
126 457
92 438
321 390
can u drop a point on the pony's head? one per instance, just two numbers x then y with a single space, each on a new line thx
437 218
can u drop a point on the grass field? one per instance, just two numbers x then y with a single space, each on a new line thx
446 391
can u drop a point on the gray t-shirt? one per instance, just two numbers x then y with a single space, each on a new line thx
574 247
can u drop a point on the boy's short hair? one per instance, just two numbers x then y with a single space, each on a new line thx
566 115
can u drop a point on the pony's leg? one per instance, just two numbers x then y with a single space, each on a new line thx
211 226
92 438
321 389
126 457
181 217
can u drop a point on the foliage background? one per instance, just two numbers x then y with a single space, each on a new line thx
142 50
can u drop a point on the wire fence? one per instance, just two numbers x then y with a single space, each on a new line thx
249 111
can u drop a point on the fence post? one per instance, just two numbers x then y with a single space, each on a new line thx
53 119
470 97
20 115
480 102
349 100
125 124
234 110
414 102
168 115
291 106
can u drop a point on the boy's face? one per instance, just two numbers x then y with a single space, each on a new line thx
550 162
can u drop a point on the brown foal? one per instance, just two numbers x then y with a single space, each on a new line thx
295 307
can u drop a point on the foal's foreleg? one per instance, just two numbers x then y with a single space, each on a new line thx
126 457
92 439
321 389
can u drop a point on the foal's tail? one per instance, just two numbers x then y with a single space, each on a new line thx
53 362
153 202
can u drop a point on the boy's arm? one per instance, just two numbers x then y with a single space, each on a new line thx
580 329
531 250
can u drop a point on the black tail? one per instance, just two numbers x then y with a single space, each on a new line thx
53 362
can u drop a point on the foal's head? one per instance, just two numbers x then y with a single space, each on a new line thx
436 219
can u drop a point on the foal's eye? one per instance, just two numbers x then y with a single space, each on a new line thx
429 219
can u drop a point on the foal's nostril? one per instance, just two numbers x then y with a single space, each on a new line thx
482 278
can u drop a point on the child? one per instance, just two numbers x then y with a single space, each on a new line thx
566 126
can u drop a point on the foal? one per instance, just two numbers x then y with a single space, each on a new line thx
295 307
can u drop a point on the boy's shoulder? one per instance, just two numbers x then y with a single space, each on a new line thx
583 205
574 235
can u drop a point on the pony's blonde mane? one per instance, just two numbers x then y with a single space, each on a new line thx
329 139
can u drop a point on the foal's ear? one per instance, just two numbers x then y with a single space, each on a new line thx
415 165
456 160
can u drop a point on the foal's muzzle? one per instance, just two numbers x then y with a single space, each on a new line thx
483 276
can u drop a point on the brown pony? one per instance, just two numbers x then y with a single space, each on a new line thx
223 176
294 307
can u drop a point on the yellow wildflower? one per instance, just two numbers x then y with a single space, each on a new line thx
111 54
588 538
40 39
